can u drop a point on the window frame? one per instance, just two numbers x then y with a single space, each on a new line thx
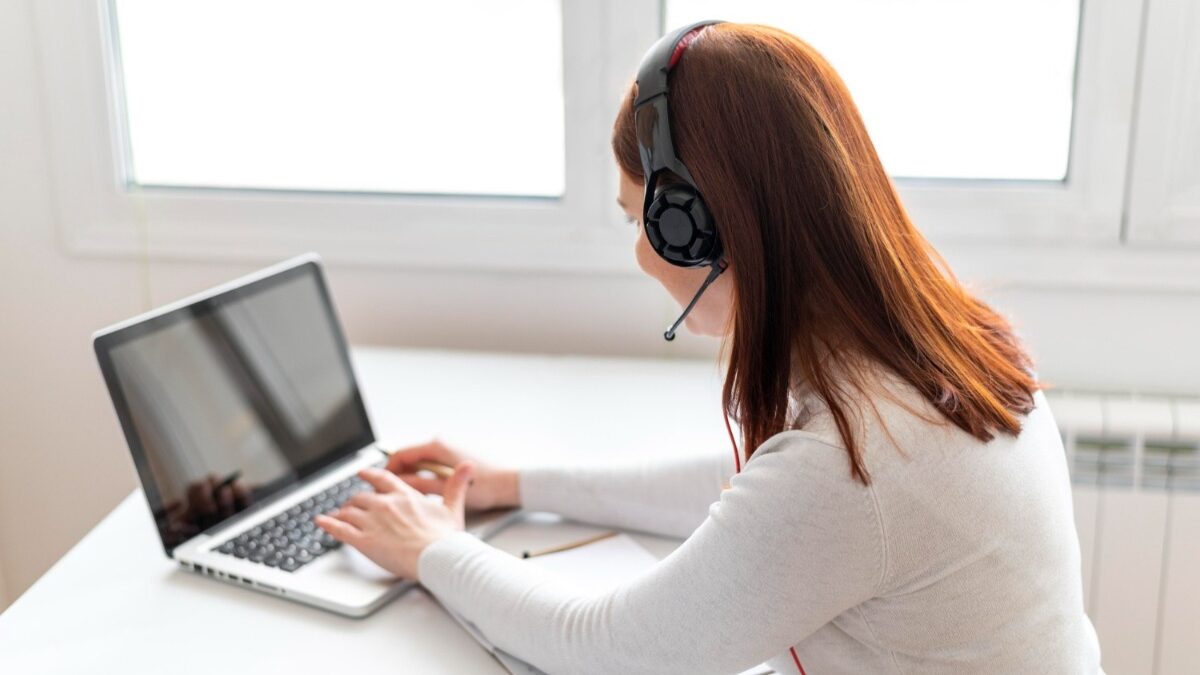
988 224
1163 206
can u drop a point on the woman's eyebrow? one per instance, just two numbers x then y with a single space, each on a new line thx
622 204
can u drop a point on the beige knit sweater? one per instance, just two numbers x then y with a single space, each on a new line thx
960 557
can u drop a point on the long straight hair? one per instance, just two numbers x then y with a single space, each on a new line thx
828 269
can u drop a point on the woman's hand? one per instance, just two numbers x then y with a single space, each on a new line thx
394 524
492 487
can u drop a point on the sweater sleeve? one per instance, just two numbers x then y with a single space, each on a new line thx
791 545
668 497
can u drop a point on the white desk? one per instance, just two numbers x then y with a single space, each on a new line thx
115 604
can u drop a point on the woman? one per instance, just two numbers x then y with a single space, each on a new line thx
904 505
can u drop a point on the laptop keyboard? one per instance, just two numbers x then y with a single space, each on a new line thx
290 540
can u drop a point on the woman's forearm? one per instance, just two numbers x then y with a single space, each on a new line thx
668 496
764 569
508 488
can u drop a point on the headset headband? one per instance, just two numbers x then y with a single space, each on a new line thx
651 116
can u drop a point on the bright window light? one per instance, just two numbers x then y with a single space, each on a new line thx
454 97
947 88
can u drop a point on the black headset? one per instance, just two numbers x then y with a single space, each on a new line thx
679 226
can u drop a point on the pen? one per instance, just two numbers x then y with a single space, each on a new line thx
442 470
567 547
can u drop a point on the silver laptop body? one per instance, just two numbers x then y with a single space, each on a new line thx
244 419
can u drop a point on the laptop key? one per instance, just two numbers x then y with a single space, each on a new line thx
292 535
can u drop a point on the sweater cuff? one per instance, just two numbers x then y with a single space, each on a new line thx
436 564
540 488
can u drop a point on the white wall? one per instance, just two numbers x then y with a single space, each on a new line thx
63 463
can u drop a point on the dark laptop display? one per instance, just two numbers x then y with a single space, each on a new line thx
233 398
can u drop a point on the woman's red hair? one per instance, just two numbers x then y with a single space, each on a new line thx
828 269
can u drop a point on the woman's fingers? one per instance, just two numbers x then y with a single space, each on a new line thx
383 481
455 497
433 450
364 500
423 484
353 515
338 529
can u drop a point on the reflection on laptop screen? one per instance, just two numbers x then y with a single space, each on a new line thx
234 398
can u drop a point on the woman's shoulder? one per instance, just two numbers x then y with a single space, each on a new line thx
890 419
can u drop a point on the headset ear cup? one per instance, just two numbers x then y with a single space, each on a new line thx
681 229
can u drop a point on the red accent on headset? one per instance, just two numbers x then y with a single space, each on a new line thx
682 45
737 462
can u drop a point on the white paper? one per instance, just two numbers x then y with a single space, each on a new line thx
599 566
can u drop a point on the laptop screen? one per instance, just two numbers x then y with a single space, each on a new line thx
233 398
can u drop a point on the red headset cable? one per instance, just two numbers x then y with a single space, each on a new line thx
737 462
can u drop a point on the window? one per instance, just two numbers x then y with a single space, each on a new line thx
948 89
1007 123
462 97
1164 198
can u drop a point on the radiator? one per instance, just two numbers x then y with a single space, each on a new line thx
1135 470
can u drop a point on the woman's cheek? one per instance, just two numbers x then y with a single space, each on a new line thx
643 253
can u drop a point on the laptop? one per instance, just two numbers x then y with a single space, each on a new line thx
245 420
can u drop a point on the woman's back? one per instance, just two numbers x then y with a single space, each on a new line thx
981 565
